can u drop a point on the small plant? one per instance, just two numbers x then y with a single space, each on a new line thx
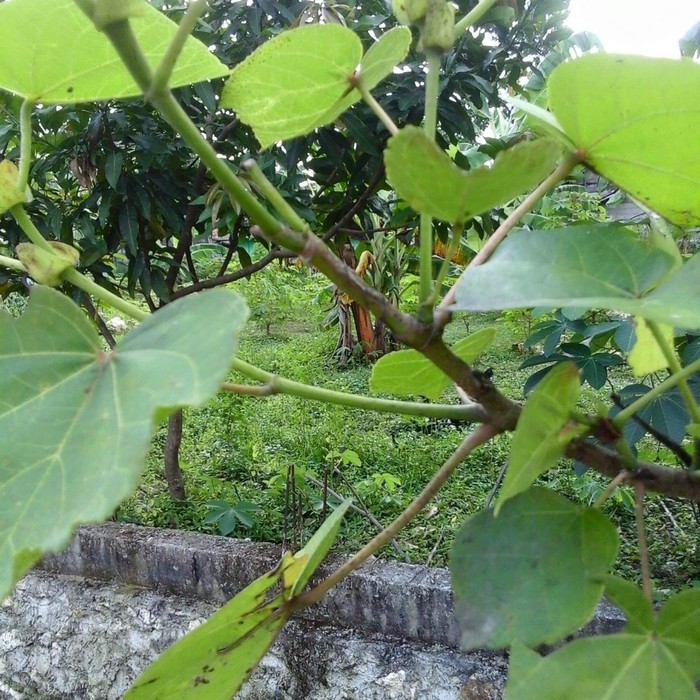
228 516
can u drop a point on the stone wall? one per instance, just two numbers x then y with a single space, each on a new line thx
86 623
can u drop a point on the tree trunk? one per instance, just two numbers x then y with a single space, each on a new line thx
173 474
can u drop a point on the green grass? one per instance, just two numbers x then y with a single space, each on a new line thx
244 449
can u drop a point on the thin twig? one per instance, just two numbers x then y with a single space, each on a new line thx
617 481
477 437
496 484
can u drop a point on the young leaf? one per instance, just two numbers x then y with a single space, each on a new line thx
211 662
647 356
533 574
632 117
10 194
645 665
289 85
541 436
52 53
317 547
408 372
592 266
425 176
45 267
90 407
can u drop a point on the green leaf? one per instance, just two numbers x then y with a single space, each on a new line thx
541 435
631 600
317 547
113 168
647 356
10 194
425 176
592 266
632 118
408 372
289 85
129 226
67 407
533 574
51 53
651 665
211 662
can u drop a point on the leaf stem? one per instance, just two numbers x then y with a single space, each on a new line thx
11 264
122 37
675 367
162 74
378 110
641 539
626 413
425 285
91 287
273 196
474 16
617 481
30 230
71 274
25 157
561 171
279 385
477 437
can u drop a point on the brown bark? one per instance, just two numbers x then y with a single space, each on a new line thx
173 473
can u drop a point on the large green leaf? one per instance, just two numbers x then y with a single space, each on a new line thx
299 80
76 421
656 664
541 435
423 175
407 372
212 662
51 53
634 119
592 266
533 574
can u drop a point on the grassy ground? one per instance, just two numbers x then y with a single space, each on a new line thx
247 450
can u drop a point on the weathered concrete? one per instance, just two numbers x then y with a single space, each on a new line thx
86 624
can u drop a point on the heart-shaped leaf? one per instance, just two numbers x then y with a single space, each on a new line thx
633 119
407 372
299 80
591 266
532 574
541 435
67 406
423 175
52 53
646 665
